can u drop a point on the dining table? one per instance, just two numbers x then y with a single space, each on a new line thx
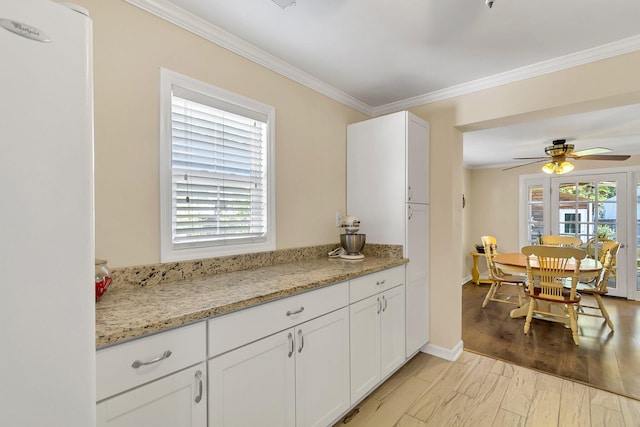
516 263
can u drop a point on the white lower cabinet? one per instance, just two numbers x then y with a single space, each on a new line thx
159 380
297 361
178 400
299 376
377 339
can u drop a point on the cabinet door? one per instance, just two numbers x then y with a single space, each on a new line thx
322 369
392 334
376 157
254 385
417 283
365 345
178 400
417 160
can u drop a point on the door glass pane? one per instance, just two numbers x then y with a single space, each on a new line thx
535 208
588 210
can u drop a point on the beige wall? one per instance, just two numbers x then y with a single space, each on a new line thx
494 209
130 46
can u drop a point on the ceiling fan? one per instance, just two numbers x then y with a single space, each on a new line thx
559 153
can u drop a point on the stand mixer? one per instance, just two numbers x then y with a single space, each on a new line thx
351 241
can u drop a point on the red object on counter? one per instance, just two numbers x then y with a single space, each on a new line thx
102 286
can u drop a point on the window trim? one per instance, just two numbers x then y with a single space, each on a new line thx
169 253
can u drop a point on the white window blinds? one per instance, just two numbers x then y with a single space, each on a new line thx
218 168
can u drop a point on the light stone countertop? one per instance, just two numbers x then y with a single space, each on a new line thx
130 312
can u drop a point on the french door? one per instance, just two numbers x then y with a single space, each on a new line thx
593 208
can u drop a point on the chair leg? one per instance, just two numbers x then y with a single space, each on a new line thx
492 290
521 295
527 322
573 322
604 311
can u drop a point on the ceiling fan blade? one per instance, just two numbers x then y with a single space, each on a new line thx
604 157
525 164
589 152
531 158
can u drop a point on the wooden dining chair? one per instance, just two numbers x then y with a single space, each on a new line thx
499 278
570 241
597 288
551 265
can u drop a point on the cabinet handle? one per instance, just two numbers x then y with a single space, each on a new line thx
290 344
379 305
298 311
300 341
381 282
410 212
410 193
137 363
199 380
385 303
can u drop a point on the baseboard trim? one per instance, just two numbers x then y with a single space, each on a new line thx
466 280
444 353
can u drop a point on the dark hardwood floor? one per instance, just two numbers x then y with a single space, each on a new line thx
604 359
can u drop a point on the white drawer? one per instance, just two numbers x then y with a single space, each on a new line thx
236 329
371 284
114 370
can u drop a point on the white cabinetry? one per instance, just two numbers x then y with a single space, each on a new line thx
169 372
294 376
388 189
376 329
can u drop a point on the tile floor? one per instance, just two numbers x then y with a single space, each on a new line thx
479 391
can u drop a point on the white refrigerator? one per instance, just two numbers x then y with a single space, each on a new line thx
47 300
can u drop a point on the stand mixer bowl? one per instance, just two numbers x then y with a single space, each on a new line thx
353 243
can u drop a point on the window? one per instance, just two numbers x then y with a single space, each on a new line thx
216 171
570 221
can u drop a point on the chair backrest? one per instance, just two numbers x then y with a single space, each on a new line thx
571 241
490 251
551 265
608 260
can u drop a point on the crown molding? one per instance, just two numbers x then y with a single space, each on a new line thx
609 50
196 25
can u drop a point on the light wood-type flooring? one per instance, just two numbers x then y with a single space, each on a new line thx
604 359
480 391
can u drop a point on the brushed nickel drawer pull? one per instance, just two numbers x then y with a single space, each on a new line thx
136 364
380 282
298 311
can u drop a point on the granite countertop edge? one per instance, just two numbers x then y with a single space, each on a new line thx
130 313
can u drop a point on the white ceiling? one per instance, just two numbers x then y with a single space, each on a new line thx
384 55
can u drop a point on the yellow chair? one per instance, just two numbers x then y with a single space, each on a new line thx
498 278
551 265
597 288
570 241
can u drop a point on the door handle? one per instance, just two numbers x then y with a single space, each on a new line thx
300 341
199 380
290 344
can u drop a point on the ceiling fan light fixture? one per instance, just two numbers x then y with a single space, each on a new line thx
549 168
559 167
564 167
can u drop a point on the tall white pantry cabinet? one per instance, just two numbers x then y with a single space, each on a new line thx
388 189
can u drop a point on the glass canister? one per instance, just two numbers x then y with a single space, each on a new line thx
103 278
